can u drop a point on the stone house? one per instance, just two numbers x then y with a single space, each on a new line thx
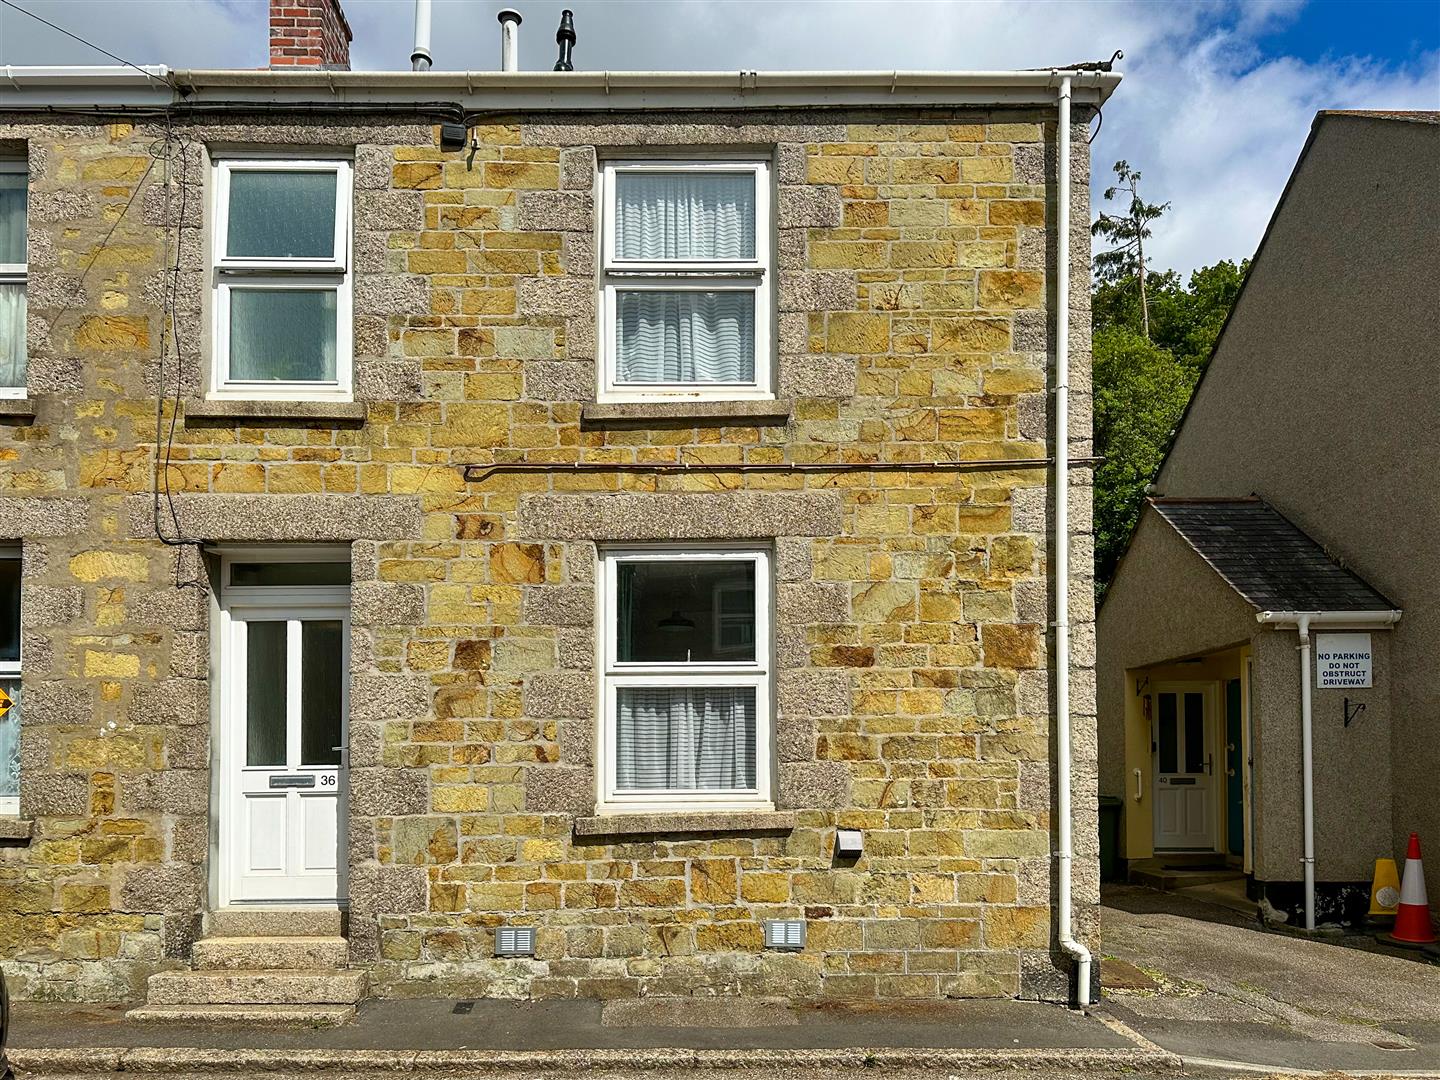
1295 517
484 533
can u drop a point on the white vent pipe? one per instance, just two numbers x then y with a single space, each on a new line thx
509 39
420 57
1065 812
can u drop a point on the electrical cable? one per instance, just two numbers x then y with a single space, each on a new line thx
170 335
76 37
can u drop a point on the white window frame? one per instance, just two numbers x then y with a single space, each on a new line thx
615 674
229 274
16 274
10 669
710 275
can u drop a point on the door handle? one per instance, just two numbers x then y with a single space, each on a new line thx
1209 764
1230 772
1138 792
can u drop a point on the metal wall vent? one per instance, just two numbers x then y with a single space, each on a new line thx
785 934
515 941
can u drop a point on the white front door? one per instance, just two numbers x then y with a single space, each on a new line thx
1185 807
282 740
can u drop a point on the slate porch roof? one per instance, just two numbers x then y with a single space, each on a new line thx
1265 558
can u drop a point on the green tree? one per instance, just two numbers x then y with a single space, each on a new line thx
1141 391
1126 261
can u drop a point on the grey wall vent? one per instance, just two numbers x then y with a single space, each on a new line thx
785 934
515 941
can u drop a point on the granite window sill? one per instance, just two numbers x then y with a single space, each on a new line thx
14 828
17 408
702 413
705 821
231 410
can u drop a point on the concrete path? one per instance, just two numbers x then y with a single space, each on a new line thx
1225 989
653 1039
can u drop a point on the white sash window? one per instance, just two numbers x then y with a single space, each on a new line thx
9 680
14 185
282 270
685 293
687 679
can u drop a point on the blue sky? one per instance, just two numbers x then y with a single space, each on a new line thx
1216 104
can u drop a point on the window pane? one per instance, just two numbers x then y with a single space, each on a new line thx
12 217
685 215
265 692
290 573
321 672
1169 757
9 609
685 337
12 333
10 740
685 611
282 335
1194 733
278 214
685 738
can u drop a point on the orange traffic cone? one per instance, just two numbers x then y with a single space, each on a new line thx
1412 915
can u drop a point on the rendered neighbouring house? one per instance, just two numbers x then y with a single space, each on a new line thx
568 527
1301 491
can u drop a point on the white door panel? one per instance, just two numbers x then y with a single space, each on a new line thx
1184 738
282 753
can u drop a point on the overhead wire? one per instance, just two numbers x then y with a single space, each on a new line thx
83 41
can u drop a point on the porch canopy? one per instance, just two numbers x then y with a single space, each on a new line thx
1265 558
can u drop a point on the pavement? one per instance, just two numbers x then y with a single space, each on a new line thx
1193 990
1213 986
652 1038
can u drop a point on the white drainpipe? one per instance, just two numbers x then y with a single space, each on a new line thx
1061 556
509 39
1302 621
420 57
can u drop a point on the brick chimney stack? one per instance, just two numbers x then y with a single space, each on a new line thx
309 33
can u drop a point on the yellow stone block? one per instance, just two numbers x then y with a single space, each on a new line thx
969 335
1001 289
417 175
113 333
856 332
123 167
979 170
1017 212
469 798
521 174
100 664
103 565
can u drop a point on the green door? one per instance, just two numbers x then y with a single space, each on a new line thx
1234 773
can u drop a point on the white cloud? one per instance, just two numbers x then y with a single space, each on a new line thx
1213 123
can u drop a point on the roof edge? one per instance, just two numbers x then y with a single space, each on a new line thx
498 91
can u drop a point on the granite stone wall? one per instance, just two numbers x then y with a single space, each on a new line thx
914 271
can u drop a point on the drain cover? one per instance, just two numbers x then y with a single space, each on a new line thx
463 1007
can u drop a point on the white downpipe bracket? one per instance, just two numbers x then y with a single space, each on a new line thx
1061 556
1303 621
420 57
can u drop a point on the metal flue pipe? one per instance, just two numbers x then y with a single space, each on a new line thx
565 38
420 57
509 39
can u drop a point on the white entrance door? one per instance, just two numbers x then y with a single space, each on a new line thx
283 739
1185 806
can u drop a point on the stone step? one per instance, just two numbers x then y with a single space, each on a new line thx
256 988
269 953
274 922
309 1016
